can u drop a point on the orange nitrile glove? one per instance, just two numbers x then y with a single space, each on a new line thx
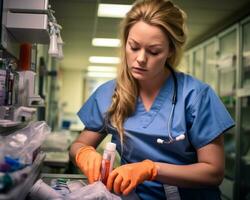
126 177
89 162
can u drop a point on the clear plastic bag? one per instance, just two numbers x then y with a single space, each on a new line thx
23 143
98 191
95 191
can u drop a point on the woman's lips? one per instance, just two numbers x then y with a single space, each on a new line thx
139 69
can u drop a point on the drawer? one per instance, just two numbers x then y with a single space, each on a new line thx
27 27
34 6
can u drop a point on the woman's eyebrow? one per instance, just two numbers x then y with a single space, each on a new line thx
155 45
131 39
151 45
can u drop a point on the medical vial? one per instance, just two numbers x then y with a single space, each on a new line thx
107 161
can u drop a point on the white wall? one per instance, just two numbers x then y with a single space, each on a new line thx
71 91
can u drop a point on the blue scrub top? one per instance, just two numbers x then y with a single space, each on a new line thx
199 114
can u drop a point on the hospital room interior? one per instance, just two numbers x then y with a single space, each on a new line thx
54 54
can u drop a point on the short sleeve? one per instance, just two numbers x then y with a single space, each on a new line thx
91 115
208 118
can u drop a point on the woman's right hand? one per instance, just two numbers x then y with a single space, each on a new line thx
89 162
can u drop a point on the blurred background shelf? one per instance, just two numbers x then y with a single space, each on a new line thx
20 191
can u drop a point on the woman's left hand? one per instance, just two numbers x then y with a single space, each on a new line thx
126 177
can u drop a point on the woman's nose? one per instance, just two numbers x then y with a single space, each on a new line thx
141 58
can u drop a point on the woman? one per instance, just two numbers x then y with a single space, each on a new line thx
168 126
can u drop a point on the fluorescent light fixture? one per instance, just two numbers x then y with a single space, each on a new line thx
106 42
101 74
113 10
246 54
102 59
101 69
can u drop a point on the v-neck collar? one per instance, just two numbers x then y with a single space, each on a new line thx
164 93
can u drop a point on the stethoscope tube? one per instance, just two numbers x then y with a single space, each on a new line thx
174 97
170 120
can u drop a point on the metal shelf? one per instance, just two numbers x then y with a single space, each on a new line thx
6 129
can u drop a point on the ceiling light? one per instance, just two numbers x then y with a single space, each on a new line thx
101 69
106 42
101 59
113 10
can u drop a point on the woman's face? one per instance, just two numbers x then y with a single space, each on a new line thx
147 50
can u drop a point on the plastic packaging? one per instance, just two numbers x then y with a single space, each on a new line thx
75 185
94 191
60 185
108 161
23 143
8 180
42 191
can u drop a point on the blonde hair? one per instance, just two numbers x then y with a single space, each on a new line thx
169 18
